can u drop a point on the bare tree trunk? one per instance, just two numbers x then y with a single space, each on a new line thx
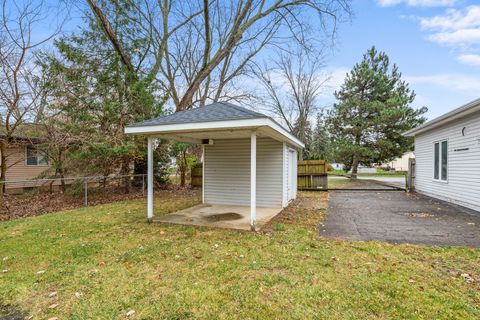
125 170
246 25
183 169
3 172
111 35
182 178
63 187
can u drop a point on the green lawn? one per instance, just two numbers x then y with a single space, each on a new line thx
106 260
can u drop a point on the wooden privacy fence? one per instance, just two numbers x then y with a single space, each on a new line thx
312 174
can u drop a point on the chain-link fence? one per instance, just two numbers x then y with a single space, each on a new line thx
23 198
79 186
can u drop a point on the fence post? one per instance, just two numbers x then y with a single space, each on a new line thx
85 187
143 184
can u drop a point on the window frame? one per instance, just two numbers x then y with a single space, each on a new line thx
440 162
46 164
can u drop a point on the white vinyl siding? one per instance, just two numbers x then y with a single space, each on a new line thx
461 172
288 162
269 173
285 175
227 172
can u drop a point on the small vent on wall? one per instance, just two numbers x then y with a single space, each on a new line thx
207 141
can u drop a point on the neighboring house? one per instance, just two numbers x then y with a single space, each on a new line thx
364 169
25 160
401 163
447 152
250 161
337 166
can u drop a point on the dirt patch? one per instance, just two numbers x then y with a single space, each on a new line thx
11 312
227 216
26 205
307 210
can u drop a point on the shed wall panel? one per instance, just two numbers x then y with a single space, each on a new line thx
227 172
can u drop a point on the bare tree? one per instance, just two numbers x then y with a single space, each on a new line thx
20 85
199 47
291 89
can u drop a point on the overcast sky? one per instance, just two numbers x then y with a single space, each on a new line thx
435 43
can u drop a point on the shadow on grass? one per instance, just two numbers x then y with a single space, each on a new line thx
11 312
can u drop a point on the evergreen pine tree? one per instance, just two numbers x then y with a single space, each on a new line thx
372 112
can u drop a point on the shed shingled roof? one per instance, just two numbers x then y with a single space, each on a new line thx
219 111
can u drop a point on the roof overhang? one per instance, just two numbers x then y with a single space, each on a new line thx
195 132
463 111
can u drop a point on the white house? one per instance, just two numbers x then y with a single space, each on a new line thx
337 166
250 161
447 152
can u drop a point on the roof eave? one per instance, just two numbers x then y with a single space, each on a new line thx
458 113
215 125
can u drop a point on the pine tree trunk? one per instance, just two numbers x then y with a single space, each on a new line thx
354 166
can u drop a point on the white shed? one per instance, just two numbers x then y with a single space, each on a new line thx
447 153
249 160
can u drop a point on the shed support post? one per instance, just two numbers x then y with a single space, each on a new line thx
150 179
253 180
203 173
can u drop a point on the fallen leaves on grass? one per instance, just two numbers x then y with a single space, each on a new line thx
468 277
38 203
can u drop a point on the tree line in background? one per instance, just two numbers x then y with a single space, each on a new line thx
132 60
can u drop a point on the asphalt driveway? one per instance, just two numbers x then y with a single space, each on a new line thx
398 217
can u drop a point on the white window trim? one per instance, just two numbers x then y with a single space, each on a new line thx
33 165
440 161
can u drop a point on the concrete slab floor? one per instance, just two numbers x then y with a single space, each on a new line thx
219 216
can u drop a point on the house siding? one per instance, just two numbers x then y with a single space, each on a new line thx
285 175
463 184
227 172
17 168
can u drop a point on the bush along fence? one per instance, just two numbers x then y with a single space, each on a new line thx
312 174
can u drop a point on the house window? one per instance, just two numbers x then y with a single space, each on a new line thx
36 156
440 166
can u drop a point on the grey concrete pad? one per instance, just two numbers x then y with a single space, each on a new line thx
220 216
399 217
